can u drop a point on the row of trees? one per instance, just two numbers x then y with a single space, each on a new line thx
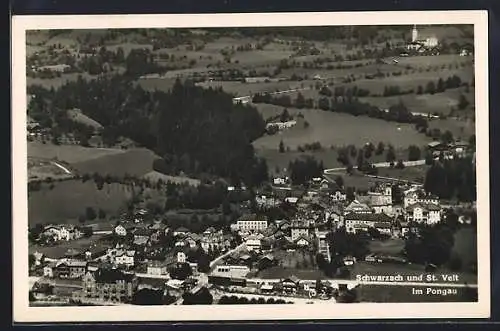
452 179
303 170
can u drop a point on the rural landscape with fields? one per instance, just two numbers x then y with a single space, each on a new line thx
304 165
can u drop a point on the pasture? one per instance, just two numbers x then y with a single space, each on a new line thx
135 162
461 129
67 200
40 169
440 103
339 129
416 173
68 153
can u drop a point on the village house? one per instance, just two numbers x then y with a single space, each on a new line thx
156 268
180 231
427 213
355 222
280 180
120 230
61 233
108 285
253 243
338 196
290 285
303 241
251 222
299 228
408 227
267 201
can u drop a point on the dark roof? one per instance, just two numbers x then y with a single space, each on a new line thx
181 229
144 232
428 206
381 217
252 217
103 275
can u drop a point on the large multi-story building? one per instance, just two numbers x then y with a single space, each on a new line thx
108 285
231 271
355 222
426 213
252 222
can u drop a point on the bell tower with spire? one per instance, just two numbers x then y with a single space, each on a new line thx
414 34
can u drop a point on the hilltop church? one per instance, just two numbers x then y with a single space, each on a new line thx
420 44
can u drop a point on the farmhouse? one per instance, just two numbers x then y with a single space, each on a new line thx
281 125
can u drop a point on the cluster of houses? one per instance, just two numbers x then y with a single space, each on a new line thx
323 208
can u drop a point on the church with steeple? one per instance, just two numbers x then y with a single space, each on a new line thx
421 43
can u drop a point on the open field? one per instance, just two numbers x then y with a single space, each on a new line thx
67 200
40 169
135 162
338 129
416 173
439 60
440 103
460 129
384 293
58 251
68 153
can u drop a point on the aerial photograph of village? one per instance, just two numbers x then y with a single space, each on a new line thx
267 165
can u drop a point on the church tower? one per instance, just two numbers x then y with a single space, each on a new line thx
414 34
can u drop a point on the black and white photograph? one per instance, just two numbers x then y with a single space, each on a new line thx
231 162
